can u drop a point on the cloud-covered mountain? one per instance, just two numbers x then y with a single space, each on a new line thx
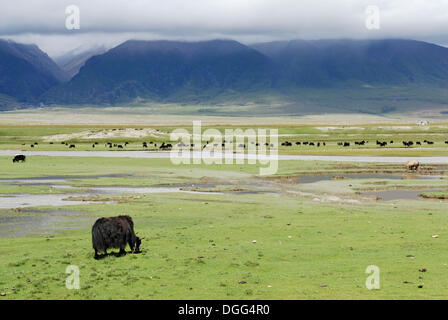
166 70
336 63
26 72
202 71
360 71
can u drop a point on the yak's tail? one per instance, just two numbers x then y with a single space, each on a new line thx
98 242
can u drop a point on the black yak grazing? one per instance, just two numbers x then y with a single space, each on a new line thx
114 232
19 157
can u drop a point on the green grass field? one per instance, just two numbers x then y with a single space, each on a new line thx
236 235
200 246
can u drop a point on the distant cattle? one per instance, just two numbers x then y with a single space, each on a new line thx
114 232
72 146
168 145
412 165
19 157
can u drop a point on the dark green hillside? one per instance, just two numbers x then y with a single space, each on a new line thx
166 70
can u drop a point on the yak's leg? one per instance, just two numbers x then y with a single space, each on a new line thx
131 245
96 255
122 250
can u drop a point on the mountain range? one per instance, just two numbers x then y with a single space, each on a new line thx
26 72
201 72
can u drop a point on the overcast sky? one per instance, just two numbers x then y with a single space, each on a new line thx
110 22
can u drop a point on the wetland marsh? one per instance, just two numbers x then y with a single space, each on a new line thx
316 224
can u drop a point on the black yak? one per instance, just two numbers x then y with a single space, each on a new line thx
19 157
114 232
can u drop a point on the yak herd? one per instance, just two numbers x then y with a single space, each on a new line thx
168 146
359 143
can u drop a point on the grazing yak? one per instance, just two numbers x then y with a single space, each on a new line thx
19 157
114 232
412 165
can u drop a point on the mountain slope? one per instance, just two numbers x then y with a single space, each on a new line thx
330 63
72 62
166 70
26 72
220 69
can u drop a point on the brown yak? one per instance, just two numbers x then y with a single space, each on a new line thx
412 165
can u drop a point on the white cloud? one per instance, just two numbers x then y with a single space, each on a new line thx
113 21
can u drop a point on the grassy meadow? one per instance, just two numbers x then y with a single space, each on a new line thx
201 246
228 233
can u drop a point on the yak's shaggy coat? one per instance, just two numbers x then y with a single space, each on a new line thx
114 232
